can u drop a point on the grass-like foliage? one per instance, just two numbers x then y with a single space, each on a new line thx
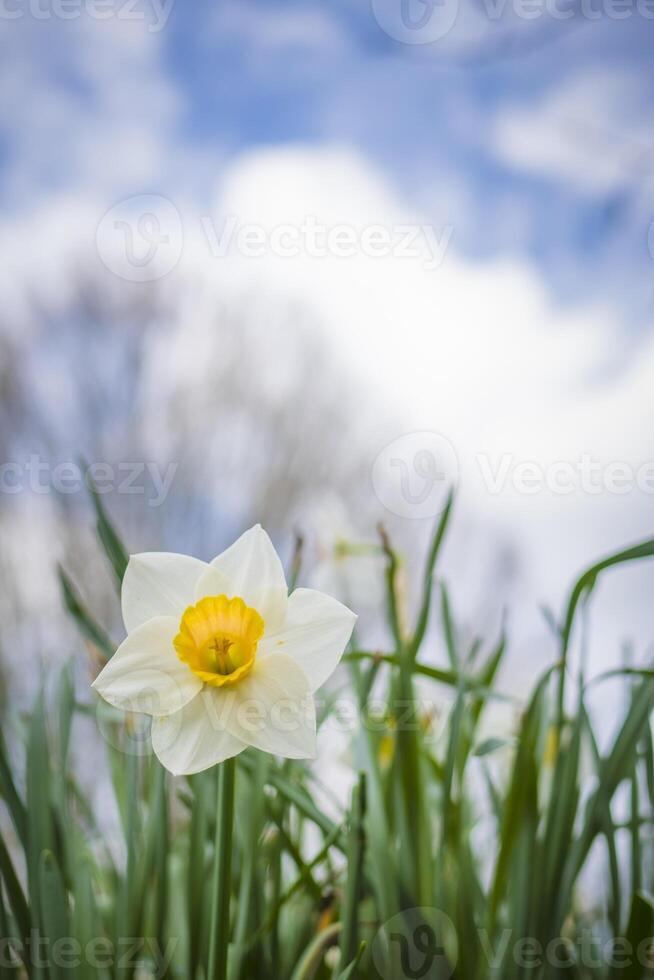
457 855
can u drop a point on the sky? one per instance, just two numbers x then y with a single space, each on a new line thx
503 147
531 136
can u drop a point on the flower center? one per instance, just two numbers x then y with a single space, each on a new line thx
218 639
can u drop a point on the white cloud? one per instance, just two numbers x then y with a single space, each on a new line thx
589 131
478 352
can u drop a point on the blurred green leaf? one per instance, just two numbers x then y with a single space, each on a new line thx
17 901
113 546
350 971
356 842
10 795
314 953
428 583
55 918
490 745
87 626
581 590
639 935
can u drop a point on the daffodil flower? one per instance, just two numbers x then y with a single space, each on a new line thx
221 656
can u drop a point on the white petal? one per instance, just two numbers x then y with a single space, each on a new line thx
145 674
213 582
255 573
272 708
316 631
190 741
158 583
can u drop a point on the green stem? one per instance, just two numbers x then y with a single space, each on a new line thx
355 855
222 872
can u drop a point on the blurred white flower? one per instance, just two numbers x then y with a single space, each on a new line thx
346 563
221 656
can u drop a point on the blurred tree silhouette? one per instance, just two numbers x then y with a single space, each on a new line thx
244 407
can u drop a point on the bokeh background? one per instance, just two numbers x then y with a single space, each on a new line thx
179 311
